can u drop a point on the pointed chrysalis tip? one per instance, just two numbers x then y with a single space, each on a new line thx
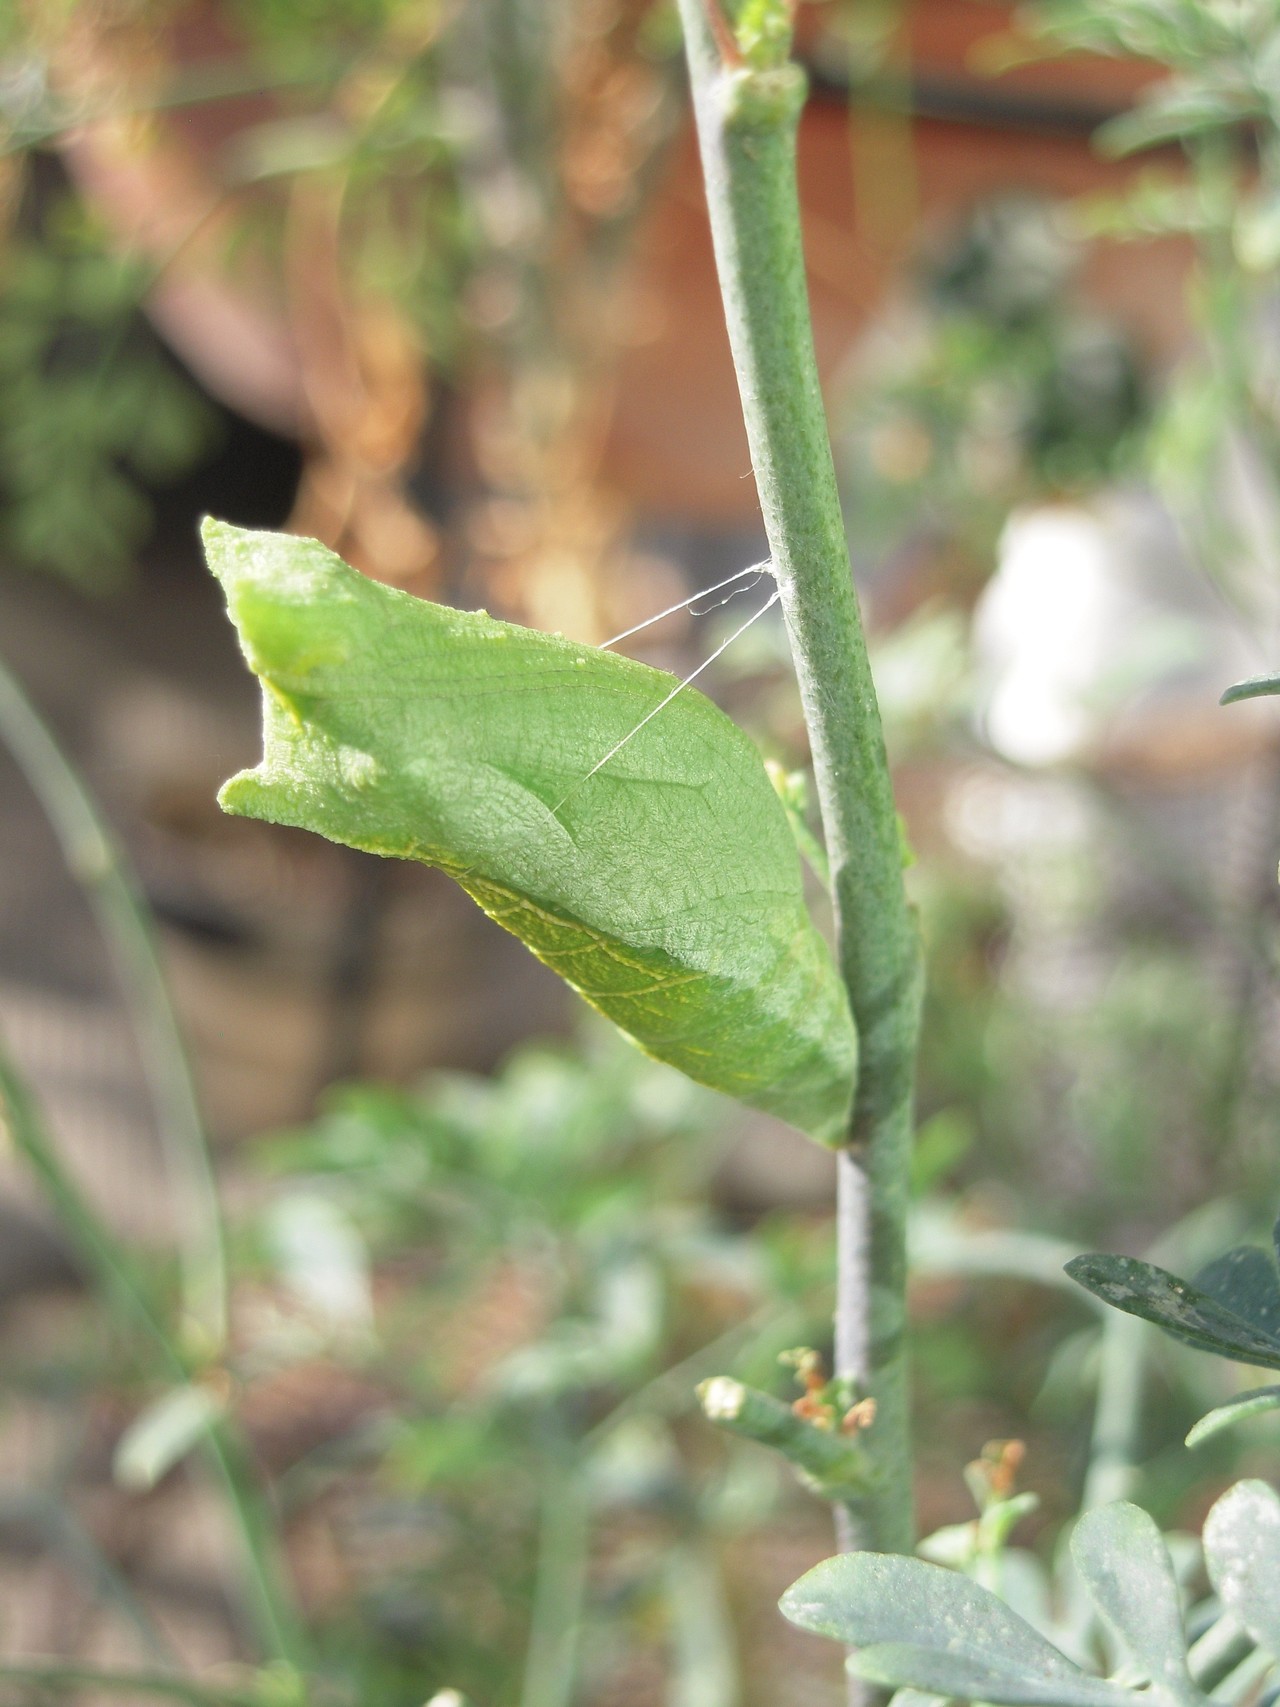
215 532
217 539
231 796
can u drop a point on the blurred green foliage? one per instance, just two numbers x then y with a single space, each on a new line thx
529 1274
551 1282
995 387
1219 108
450 175
92 410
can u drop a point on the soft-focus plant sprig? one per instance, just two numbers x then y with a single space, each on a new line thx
1219 106
92 411
917 1626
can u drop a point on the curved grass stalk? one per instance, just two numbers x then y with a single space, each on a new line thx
39 1679
700 1630
94 860
117 1278
63 1533
564 1534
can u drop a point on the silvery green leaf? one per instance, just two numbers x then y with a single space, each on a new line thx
1242 1552
962 1676
1125 1565
1175 111
1256 687
921 1627
953 1545
1244 1405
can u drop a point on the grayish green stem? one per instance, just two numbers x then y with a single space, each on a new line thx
551 1662
747 120
941 1244
1224 1646
1117 1414
703 1644
110 1267
95 862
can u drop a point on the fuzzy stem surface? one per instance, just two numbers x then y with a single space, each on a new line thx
747 118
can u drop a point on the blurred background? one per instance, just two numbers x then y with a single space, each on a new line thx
432 1261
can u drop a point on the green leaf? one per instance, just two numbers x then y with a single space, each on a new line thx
1242 1552
918 1626
1175 112
958 1676
1181 1309
1256 687
1250 1404
1246 1282
1125 1565
665 887
160 1436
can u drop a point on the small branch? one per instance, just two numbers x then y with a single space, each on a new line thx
835 1466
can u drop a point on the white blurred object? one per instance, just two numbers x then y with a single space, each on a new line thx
162 1435
1096 632
1044 631
322 1259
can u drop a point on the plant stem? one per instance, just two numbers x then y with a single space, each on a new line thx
747 119
551 1662
1117 1413
704 1650
42 1677
95 862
